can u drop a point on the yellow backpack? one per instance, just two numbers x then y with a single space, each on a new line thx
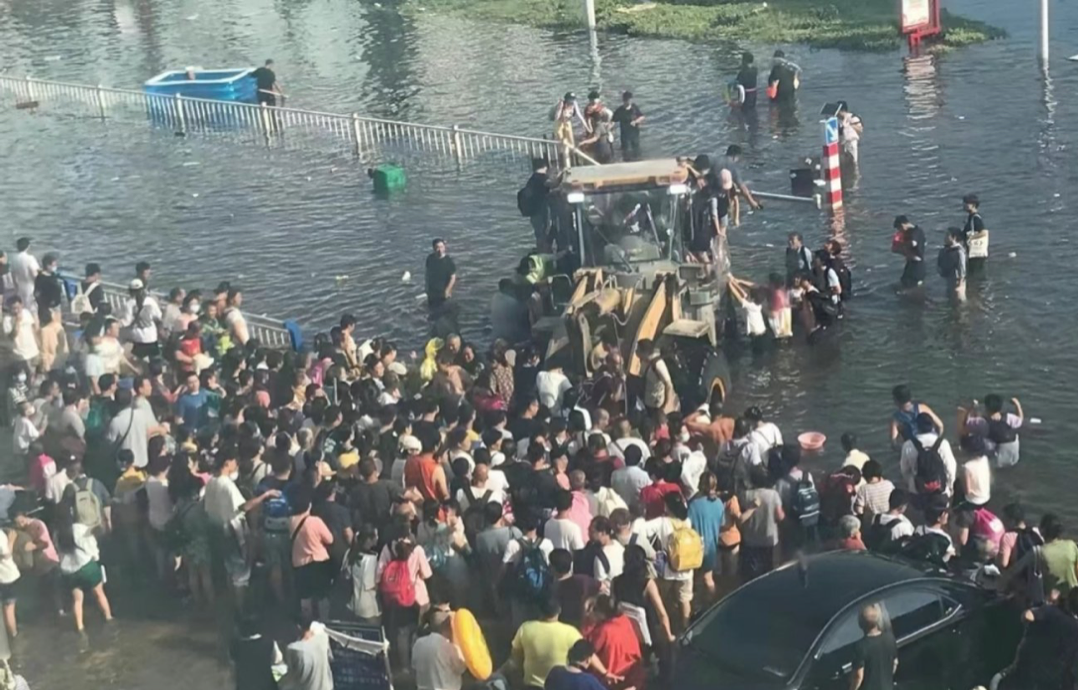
685 548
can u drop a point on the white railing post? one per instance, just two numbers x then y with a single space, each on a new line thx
264 109
179 114
568 155
355 132
100 101
1044 33
30 88
458 150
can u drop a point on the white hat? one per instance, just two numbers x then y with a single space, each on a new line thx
410 443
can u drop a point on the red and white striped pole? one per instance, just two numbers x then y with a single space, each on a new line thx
830 167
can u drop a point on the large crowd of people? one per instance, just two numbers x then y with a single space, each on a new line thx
584 524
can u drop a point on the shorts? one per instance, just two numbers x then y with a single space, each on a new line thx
314 580
676 590
7 593
86 578
276 549
146 350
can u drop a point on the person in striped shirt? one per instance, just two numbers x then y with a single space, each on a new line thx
873 496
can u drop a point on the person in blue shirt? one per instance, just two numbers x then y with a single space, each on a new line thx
574 675
190 404
706 514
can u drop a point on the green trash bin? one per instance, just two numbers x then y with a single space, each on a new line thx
388 177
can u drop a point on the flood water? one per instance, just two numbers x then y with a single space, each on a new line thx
301 233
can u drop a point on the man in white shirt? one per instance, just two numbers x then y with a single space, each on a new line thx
141 317
24 268
602 532
437 662
895 517
560 530
977 471
226 509
765 435
936 526
133 426
21 329
927 436
630 480
551 386
482 482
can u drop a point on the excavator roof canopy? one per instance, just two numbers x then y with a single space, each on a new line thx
593 178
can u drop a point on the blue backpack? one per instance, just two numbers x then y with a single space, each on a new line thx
531 576
277 513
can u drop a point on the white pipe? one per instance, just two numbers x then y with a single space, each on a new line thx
1044 33
589 8
781 197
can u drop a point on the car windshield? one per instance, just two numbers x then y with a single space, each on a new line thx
751 641
625 227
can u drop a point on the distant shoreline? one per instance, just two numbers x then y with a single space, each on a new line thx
856 25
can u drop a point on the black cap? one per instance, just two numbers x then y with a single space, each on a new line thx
971 199
627 95
569 96
733 150
593 95
702 163
900 221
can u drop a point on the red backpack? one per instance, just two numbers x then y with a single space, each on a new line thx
397 585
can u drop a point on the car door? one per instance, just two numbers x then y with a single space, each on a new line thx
832 662
927 626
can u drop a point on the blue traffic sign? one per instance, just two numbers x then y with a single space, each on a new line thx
830 130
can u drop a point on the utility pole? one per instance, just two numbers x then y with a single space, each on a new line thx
589 8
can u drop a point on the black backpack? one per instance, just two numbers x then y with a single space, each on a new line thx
928 547
1024 542
881 538
999 431
475 519
931 475
584 560
805 502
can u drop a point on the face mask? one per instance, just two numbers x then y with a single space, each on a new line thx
21 377
234 475
192 308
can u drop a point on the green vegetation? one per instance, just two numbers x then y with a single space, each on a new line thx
866 25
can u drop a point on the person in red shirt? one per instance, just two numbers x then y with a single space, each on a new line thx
188 346
617 645
664 480
425 474
849 528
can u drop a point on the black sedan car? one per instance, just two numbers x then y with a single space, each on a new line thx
795 628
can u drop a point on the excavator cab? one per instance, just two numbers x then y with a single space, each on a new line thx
625 227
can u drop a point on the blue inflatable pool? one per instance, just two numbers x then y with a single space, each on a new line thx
219 84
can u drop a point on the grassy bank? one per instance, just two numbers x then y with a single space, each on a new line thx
865 25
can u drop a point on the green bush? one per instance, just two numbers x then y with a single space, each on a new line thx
863 25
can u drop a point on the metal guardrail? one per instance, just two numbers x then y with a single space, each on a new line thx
367 137
271 333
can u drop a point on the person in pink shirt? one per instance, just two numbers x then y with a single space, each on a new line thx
313 571
400 619
41 467
43 552
580 511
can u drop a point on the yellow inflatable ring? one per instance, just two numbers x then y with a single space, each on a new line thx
473 646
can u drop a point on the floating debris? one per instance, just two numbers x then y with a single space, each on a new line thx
406 277
188 164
